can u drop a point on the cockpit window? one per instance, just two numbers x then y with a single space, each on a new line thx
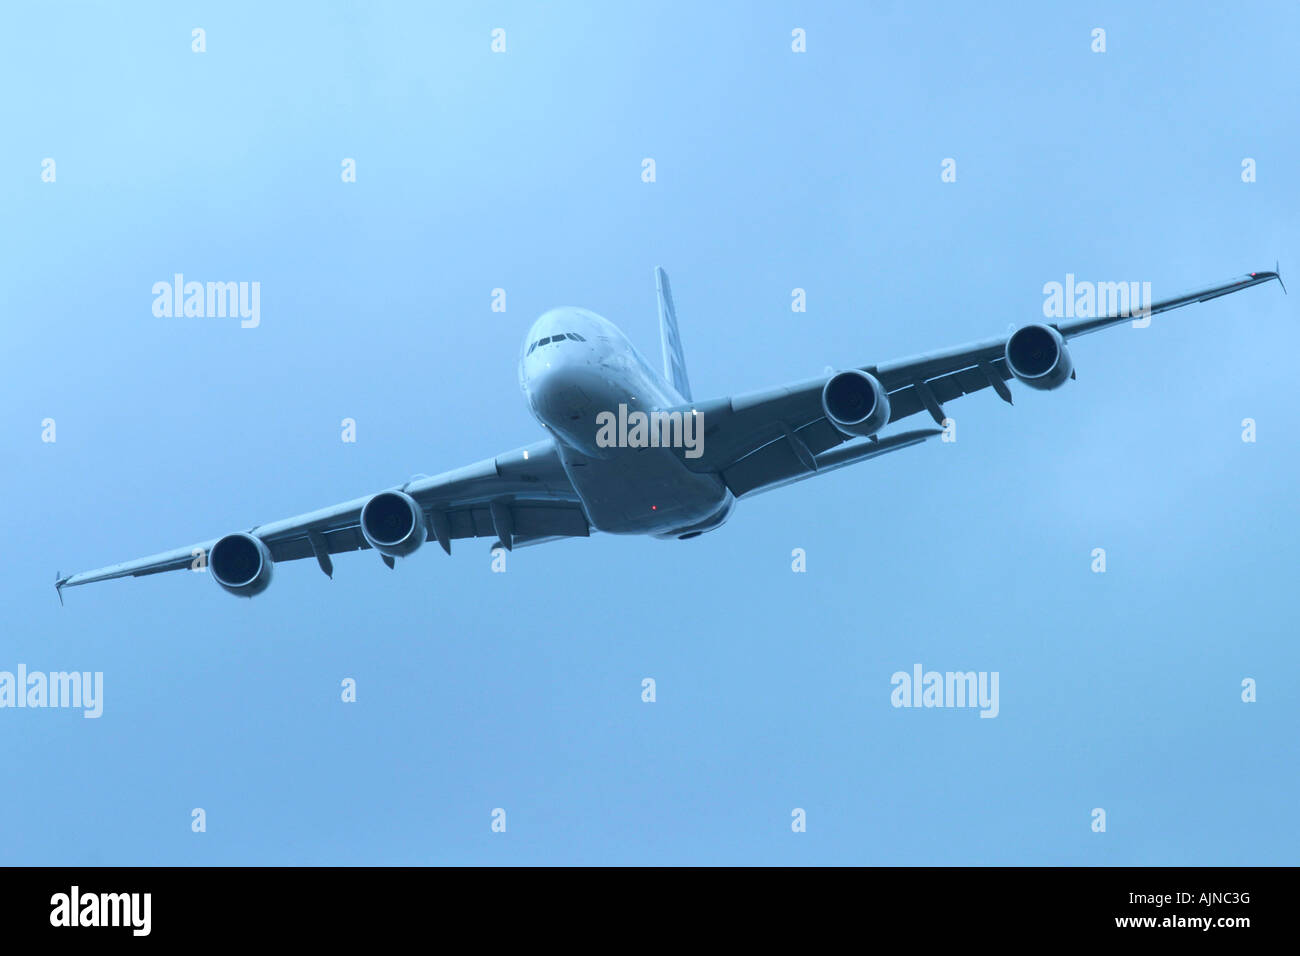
553 339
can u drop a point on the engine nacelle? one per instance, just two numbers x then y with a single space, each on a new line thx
393 523
241 564
1037 356
855 402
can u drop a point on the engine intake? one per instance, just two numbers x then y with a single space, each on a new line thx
241 564
1037 356
855 402
393 523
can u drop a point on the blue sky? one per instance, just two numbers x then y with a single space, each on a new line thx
522 690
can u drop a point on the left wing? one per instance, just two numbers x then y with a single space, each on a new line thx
522 497
764 439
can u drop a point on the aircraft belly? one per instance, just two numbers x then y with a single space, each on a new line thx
625 489
642 490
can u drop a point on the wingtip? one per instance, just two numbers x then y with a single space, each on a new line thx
1266 276
59 581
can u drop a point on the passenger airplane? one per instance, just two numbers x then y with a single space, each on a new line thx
573 367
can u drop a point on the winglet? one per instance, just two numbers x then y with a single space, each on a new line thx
59 581
1259 277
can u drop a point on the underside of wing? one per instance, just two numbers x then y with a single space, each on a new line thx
525 522
776 465
930 394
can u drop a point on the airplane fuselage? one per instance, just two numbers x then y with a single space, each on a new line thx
575 365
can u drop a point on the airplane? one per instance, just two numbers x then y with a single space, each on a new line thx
577 370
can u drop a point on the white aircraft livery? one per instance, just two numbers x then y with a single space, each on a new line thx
630 451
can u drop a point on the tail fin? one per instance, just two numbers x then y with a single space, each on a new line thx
674 361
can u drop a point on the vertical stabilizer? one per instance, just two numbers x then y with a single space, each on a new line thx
674 360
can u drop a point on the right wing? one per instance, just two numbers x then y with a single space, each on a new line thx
764 439
522 497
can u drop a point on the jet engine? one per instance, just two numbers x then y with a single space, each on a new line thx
241 564
393 524
856 403
1037 356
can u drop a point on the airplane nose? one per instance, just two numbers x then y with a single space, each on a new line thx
557 396
565 399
